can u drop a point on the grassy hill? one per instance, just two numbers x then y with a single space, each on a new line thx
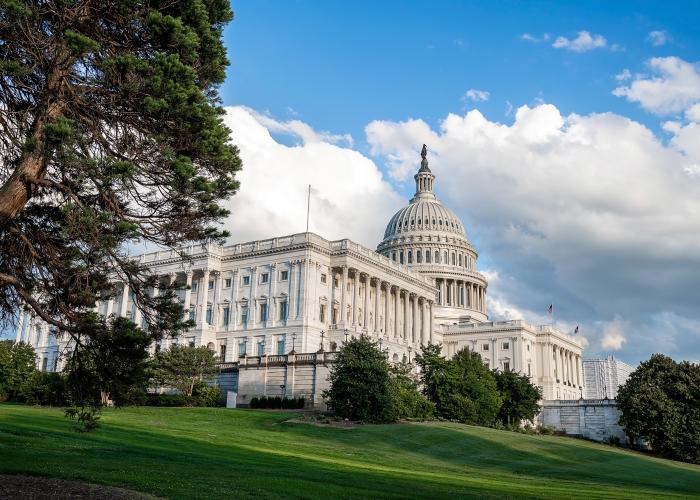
197 453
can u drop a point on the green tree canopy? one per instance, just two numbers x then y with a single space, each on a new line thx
660 402
461 388
183 367
111 132
520 397
17 365
360 384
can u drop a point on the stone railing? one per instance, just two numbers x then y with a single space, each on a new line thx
282 359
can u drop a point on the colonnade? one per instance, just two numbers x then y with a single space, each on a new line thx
459 293
565 367
398 313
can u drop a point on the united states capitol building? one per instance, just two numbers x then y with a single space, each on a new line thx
277 310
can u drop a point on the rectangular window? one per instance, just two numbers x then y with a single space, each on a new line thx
241 349
244 315
506 366
261 348
194 286
280 347
283 310
506 346
393 256
284 275
227 315
211 284
209 315
191 342
410 257
322 313
222 352
263 312
264 278
246 280
400 257
484 347
427 256
44 364
323 278
227 283
193 314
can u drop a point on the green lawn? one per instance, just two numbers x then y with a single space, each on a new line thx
198 452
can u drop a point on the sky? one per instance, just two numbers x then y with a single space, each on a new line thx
565 135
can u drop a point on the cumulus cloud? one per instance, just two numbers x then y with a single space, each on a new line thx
593 213
623 75
584 42
673 86
658 38
476 95
614 334
692 114
348 190
531 38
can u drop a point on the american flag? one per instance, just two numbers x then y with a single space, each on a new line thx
550 309
576 330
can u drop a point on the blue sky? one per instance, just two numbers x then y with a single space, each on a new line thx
340 65
565 135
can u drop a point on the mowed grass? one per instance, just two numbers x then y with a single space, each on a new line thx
204 453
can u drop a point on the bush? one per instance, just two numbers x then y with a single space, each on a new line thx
47 389
546 430
612 441
276 403
206 395
408 402
360 384
173 400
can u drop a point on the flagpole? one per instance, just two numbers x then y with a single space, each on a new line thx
308 207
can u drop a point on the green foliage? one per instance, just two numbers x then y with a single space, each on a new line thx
47 389
360 384
17 367
114 135
183 367
520 397
206 395
277 403
167 400
660 403
461 388
408 402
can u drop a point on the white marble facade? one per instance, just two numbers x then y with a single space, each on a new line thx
304 293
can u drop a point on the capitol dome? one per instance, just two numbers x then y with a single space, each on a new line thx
429 238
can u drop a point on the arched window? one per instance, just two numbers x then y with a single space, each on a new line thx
427 256
460 260
401 257
426 221
410 257
440 222
419 256
454 259
437 256
446 259
393 256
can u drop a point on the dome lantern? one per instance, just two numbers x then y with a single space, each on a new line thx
424 178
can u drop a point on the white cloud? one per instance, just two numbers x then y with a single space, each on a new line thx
658 38
623 76
531 38
614 334
476 95
692 114
574 210
582 43
300 130
675 88
350 199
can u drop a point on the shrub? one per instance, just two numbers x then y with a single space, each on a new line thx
276 402
408 402
173 400
520 397
206 395
47 389
360 383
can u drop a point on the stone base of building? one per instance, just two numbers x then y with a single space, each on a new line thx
595 419
290 375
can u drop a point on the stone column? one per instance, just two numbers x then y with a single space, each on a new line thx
377 296
188 294
406 315
387 308
125 300
416 320
203 298
333 276
272 298
217 300
397 312
355 298
365 320
20 325
252 303
343 297
430 320
110 307
425 330
233 313
443 292
291 305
